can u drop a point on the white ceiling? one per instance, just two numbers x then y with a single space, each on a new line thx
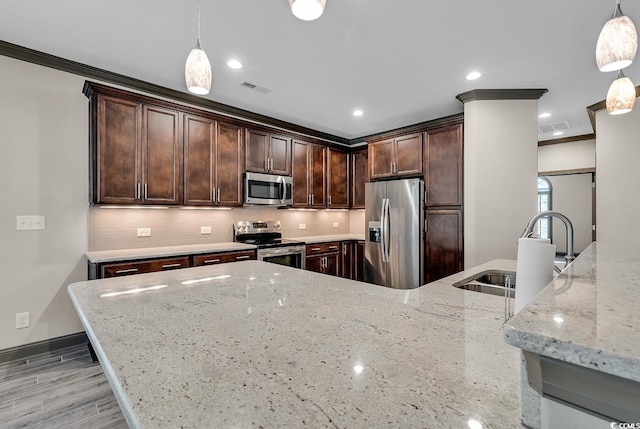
400 61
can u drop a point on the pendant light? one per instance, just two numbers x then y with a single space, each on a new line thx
621 96
617 43
197 70
307 10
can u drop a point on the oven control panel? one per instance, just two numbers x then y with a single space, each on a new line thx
257 226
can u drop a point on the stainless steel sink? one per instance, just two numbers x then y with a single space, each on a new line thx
493 282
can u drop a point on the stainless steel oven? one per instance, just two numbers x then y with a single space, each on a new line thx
266 236
291 256
268 189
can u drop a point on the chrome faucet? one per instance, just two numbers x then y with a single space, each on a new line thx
528 232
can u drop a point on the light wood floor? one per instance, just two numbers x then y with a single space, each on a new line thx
61 389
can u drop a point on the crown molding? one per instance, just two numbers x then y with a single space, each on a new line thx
501 94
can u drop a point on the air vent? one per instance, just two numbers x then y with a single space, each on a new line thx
254 87
556 126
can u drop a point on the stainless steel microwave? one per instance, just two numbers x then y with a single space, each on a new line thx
268 189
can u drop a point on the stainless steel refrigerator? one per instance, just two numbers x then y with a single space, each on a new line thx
394 242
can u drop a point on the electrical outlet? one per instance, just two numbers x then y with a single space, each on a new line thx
144 232
336 224
23 320
30 223
205 230
302 226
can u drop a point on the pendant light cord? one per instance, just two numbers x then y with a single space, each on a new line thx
199 22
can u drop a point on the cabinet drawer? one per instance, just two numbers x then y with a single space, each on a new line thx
316 249
221 258
140 267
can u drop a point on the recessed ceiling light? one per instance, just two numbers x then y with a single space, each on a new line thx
473 75
358 113
544 115
558 133
234 64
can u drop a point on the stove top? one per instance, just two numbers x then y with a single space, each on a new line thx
264 234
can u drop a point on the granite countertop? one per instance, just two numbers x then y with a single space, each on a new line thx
588 315
253 344
158 252
326 238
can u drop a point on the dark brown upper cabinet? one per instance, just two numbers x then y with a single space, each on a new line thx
308 175
136 153
337 179
267 152
443 166
359 176
401 156
213 155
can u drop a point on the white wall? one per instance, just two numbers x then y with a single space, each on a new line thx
500 180
572 196
567 156
618 178
43 171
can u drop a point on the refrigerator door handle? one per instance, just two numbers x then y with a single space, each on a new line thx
382 230
386 229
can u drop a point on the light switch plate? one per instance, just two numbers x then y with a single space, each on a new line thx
205 230
336 224
144 232
30 223
302 226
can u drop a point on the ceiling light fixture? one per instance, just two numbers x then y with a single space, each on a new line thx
544 115
358 113
621 96
307 10
234 64
474 75
197 70
617 43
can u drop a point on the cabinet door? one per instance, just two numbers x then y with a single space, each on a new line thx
408 155
332 262
315 263
317 170
161 156
228 171
443 166
443 244
381 159
338 179
359 176
118 269
222 258
256 150
358 267
116 151
280 155
346 260
300 173
199 143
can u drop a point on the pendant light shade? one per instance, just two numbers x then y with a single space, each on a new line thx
621 96
197 70
307 10
617 43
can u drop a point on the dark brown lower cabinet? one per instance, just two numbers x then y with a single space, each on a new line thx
222 258
443 244
328 263
352 260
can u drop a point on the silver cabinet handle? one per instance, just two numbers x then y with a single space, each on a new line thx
309 199
213 195
211 261
313 198
145 191
333 247
271 164
130 270
239 258
137 191
315 249
329 199
171 266
266 164
218 199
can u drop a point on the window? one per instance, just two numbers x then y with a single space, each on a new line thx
545 225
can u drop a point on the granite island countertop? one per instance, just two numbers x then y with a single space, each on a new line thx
588 315
257 344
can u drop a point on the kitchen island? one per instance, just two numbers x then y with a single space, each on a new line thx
253 344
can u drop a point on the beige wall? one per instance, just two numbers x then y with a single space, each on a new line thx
567 156
43 171
618 179
572 196
111 228
500 179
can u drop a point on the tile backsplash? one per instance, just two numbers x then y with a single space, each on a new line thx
116 228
